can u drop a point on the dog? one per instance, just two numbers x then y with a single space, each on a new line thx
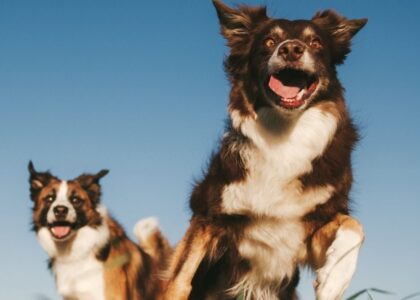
89 253
275 196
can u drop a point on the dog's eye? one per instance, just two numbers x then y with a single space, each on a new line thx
49 199
75 200
270 43
315 43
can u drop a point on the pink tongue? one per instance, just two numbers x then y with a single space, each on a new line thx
288 92
60 231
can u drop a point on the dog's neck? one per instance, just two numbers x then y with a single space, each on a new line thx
270 127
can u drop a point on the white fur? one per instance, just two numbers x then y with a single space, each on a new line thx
145 228
47 242
237 119
272 247
280 152
275 160
79 275
308 62
62 200
335 276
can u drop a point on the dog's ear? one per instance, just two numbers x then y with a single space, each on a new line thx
340 30
37 180
90 183
236 24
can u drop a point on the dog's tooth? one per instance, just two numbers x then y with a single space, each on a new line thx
301 94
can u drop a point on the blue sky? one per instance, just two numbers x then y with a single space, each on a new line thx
138 87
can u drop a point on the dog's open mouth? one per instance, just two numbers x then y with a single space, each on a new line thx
292 87
60 230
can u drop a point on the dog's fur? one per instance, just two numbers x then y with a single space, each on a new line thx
276 194
90 255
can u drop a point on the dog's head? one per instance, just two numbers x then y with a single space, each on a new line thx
283 64
62 206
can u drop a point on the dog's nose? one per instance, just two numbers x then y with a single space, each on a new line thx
60 211
291 51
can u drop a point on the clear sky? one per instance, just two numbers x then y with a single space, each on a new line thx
138 87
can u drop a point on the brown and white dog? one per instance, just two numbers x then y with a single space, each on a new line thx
90 255
276 194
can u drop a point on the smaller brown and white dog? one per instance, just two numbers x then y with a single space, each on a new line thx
90 255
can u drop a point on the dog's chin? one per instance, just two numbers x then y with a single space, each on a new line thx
61 231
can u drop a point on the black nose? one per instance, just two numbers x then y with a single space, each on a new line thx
291 51
60 212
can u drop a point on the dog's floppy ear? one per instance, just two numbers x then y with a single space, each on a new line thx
37 180
90 182
236 24
340 30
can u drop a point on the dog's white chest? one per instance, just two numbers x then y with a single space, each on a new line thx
272 194
78 274
274 162
273 247
82 280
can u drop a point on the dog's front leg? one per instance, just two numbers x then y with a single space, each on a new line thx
334 251
185 261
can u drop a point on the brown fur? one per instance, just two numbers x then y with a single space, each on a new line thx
129 272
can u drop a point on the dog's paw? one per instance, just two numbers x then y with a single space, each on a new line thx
331 285
335 276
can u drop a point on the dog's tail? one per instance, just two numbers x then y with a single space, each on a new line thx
152 241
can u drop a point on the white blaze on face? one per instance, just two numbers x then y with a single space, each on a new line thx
308 62
276 61
62 193
62 199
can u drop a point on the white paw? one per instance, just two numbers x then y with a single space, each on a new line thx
328 287
335 276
